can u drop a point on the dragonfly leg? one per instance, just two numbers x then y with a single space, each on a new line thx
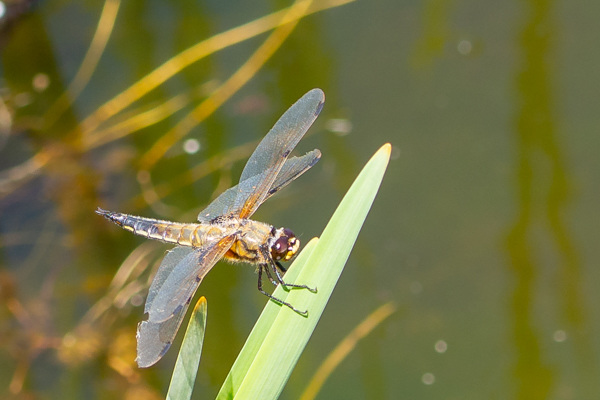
281 267
260 289
280 278
273 281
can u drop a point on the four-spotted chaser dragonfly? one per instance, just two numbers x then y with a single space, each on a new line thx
225 231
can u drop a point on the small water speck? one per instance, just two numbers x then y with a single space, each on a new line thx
441 346
559 336
339 126
428 378
464 47
191 146
40 82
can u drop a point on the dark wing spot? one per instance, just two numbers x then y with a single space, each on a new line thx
319 108
286 153
164 350
178 309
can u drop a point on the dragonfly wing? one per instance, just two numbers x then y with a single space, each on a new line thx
170 294
270 155
172 291
168 264
222 205
293 168
155 338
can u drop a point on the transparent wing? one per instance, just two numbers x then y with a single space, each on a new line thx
154 339
293 168
225 203
177 283
173 258
170 294
270 155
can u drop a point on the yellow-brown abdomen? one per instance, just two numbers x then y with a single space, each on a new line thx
191 235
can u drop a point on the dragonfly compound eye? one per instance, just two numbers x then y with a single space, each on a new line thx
285 247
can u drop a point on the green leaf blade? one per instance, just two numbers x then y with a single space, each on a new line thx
188 359
277 340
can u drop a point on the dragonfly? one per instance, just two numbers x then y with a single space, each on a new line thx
225 231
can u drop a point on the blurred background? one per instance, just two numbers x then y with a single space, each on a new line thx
482 240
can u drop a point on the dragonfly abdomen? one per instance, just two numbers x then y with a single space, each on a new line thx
191 235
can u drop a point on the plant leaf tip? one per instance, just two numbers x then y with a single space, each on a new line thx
200 303
386 148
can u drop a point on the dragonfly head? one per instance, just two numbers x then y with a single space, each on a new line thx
285 245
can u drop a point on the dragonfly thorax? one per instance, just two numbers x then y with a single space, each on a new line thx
260 243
